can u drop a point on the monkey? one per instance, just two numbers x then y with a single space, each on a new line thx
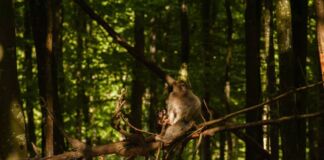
183 107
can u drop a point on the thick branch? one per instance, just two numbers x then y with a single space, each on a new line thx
121 41
122 148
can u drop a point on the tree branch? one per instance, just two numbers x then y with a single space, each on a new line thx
230 126
122 148
121 41
231 115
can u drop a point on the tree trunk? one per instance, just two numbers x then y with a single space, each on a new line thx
320 31
185 41
82 98
57 50
286 75
205 153
42 13
12 130
271 76
253 83
227 88
138 77
313 96
80 27
222 138
31 137
153 85
299 11
319 4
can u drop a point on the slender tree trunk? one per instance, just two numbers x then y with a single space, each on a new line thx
271 76
57 50
299 11
82 98
185 41
59 56
31 137
222 138
205 153
253 82
313 96
80 26
137 83
153 85
227 88
12 129
319 4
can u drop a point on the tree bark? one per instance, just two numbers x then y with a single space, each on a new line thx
42 13
12 129
153 85
286 75
271 76
205 153
252 66
299 11
57 50
227 85
138 76
185 41
319 4
31 137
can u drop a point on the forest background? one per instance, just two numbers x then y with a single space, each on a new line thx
67 67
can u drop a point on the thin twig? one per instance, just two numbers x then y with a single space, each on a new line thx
135 128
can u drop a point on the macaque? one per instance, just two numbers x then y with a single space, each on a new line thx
183 107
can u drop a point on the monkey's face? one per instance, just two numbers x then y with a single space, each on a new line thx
179 87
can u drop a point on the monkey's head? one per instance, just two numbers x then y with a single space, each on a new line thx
180 87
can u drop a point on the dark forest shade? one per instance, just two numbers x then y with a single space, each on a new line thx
12 129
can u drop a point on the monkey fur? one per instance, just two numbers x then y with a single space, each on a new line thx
183 107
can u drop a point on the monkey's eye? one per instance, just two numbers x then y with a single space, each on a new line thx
170 89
